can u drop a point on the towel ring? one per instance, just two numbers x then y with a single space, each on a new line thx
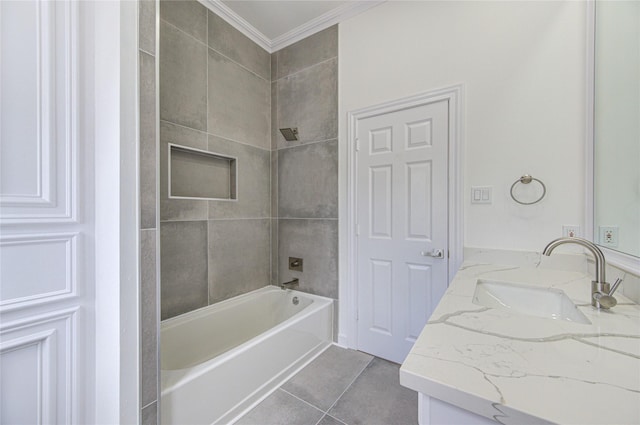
526 179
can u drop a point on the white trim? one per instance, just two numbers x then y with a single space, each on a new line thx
238 22
626 262
324 21
454 95
589 115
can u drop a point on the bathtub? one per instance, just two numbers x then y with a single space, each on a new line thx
219 361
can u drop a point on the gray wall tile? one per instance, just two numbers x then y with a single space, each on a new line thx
189 16
309 100
274 252
230 42
274 66
179 209
308 181
183 78
147 25
239 104
238 257
309 51
274 184
148 317
148 158
183 267
253 191
150 414
274 116
315 241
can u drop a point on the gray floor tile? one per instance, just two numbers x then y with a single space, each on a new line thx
282 408
330 420
323 381
376 398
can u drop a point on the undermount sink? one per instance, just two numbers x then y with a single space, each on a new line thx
549 303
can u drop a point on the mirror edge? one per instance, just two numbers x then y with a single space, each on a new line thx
625 262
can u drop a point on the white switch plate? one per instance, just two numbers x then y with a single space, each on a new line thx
481 194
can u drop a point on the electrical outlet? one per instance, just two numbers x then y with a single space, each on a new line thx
608 236
571 231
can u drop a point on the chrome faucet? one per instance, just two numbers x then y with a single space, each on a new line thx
291 284
601 291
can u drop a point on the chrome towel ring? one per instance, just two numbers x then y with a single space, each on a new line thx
526 179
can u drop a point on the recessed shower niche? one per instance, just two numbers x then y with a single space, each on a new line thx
198 174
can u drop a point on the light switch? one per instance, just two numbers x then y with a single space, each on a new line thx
481 194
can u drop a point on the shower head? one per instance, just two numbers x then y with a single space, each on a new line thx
289 134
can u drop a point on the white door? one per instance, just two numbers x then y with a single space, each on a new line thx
46 281
402 234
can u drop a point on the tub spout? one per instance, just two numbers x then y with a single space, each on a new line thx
291 284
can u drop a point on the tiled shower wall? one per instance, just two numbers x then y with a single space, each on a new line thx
149 253
214 96
304 91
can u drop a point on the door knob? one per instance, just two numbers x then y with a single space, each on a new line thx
436 253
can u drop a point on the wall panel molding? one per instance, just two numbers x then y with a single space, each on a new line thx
38 268
39 363
39 183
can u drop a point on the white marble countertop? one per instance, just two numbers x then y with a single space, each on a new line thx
521 369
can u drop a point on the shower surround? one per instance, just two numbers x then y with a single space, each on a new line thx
222 93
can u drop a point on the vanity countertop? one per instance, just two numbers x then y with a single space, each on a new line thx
523 369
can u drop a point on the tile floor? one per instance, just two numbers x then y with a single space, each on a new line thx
339 387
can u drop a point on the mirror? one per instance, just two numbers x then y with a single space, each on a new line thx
616 126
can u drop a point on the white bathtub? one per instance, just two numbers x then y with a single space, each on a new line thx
219 361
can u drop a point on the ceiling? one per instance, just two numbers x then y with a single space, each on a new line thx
274 24
275 18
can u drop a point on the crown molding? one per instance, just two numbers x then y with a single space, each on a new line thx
332 17
238 22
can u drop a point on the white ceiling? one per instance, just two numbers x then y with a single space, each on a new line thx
274 24
275 18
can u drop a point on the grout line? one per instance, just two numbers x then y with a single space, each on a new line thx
184 126
206 44
207 143
240 65
350 385
305 218
307 143
306 68
214 219
186 33
144 407
304 401
208 257
147 52
206 133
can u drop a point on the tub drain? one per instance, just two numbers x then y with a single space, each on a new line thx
295 300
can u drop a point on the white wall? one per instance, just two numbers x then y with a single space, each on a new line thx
523 67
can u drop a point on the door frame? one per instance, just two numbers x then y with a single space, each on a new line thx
454 95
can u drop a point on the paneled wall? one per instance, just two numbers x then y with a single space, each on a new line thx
304 92
149 229
214 96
